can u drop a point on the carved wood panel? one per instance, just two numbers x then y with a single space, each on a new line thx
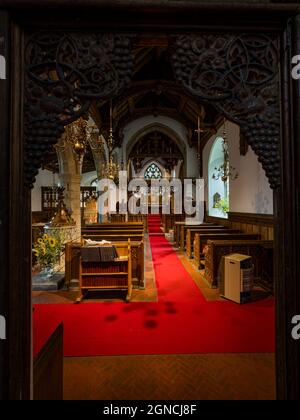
239 75
64 73
248 223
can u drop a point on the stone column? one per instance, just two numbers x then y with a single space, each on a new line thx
71 182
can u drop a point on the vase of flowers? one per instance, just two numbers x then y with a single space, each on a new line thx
47 250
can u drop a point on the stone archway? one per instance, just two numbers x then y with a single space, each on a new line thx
155 127
145 145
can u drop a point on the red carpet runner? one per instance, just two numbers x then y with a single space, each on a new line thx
181 322
154 224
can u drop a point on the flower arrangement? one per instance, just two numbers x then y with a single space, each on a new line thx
222 205
47 250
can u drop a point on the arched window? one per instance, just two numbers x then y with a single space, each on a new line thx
153 172
218 189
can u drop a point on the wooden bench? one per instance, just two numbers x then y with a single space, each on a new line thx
85 232
184 229
201 241
115 230
177 229
168 221
131 218
191 233
48 369
124 225
260 251
114 237
143 218
73 251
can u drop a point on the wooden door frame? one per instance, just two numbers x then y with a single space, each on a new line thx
15 291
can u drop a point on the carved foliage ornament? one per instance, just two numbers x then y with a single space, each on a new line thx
64 73
240 76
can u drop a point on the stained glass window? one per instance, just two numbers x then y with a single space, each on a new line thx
153 172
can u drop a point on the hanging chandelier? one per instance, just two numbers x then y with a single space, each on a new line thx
79 135
111 168
225 172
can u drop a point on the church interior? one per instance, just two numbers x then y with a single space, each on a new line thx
139 306
150 206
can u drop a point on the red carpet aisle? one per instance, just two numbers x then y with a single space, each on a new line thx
154 224
181 322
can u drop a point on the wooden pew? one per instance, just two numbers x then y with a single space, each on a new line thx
114 237
184 229
191 234
260 251
143 218
137 259
177 229
48 369
168 221
124 225
114 227
201 241
93 232
131 218
115 231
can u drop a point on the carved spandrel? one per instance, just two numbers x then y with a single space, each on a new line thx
239 75
64 73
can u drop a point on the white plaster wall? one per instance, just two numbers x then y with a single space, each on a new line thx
141 123
88 178
44 178
250 193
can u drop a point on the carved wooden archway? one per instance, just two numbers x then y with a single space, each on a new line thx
238 74
48 110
